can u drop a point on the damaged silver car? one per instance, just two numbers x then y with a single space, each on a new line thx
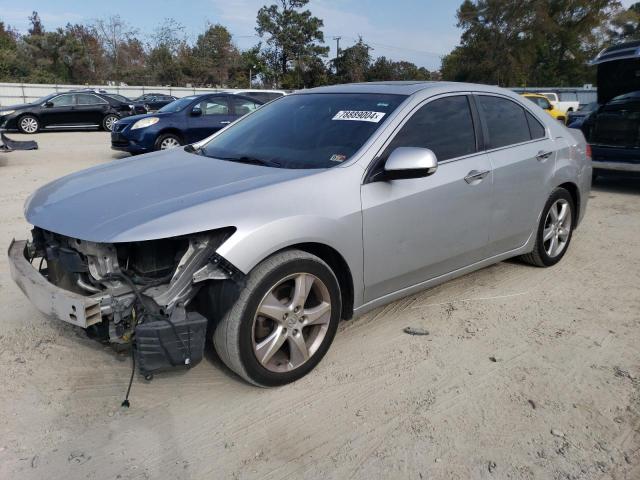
319 206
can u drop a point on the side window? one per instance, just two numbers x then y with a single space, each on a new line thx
87 99
505 120
243 106
535 127
214 106
444 126
62 101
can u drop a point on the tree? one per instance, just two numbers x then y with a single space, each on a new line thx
214 57
294 40
352 64
119 41
163 62
625 25
527 42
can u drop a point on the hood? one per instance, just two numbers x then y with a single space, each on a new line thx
117 201
22 106
135 118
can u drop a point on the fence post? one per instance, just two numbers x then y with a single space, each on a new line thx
24 98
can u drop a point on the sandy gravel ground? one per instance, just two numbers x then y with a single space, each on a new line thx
526 374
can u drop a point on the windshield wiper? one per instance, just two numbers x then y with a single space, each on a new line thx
251 160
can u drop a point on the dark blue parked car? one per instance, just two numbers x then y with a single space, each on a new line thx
187 120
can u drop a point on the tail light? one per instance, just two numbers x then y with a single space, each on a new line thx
588 151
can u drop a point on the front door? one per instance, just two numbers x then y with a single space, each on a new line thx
419 229
216 114
60 112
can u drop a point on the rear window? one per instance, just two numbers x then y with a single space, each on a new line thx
506 121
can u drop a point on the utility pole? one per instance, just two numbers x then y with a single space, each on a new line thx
337 39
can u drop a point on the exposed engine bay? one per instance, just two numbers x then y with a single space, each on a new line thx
140 293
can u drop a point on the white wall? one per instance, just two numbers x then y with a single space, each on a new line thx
16 93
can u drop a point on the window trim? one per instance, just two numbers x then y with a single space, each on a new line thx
484 123
479 133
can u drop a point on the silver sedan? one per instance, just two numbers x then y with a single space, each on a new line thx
319 206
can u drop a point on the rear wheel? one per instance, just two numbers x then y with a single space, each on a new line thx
554 231
283 321
109 121
167 141
28 124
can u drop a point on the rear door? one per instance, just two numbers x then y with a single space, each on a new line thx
242 106
60 112
418 229
523 158
89 109
216 114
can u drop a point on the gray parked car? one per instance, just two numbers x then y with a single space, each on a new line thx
319 206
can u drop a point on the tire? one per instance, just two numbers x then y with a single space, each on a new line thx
594 175
109 121
242 331
544 254
28 124
167 141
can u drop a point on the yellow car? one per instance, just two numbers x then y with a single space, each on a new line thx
544 103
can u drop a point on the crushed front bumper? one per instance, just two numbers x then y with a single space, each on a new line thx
51 300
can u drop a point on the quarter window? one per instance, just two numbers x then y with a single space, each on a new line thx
444 126
505 120
243 106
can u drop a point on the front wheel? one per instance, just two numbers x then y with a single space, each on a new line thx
283 321
554 230
109 121
167 141
28 124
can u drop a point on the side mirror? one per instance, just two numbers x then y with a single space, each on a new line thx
409 162
196 112
48 104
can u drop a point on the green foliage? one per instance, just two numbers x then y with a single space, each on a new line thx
294 41
528 42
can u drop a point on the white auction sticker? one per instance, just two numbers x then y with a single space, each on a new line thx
359 116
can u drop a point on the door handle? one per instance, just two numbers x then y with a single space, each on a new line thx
227 122
542 155
476 176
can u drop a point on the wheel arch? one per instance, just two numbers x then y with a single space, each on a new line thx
172 130
574 191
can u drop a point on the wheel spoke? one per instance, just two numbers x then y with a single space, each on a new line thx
552 246
303 284
554 212
547 234
299 353
317 315
270 345
272 308
564 208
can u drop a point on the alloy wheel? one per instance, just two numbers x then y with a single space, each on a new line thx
169 142
109 122
291 322
557 228
29 125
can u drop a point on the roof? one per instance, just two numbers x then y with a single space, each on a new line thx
402 87
621 51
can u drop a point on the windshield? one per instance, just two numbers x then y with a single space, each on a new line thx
541 102
45 98
314 130
177 105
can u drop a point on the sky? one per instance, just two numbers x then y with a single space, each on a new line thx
421 31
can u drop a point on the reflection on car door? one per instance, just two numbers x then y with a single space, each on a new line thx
89 109
61 112
523 160
216 114
419 229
